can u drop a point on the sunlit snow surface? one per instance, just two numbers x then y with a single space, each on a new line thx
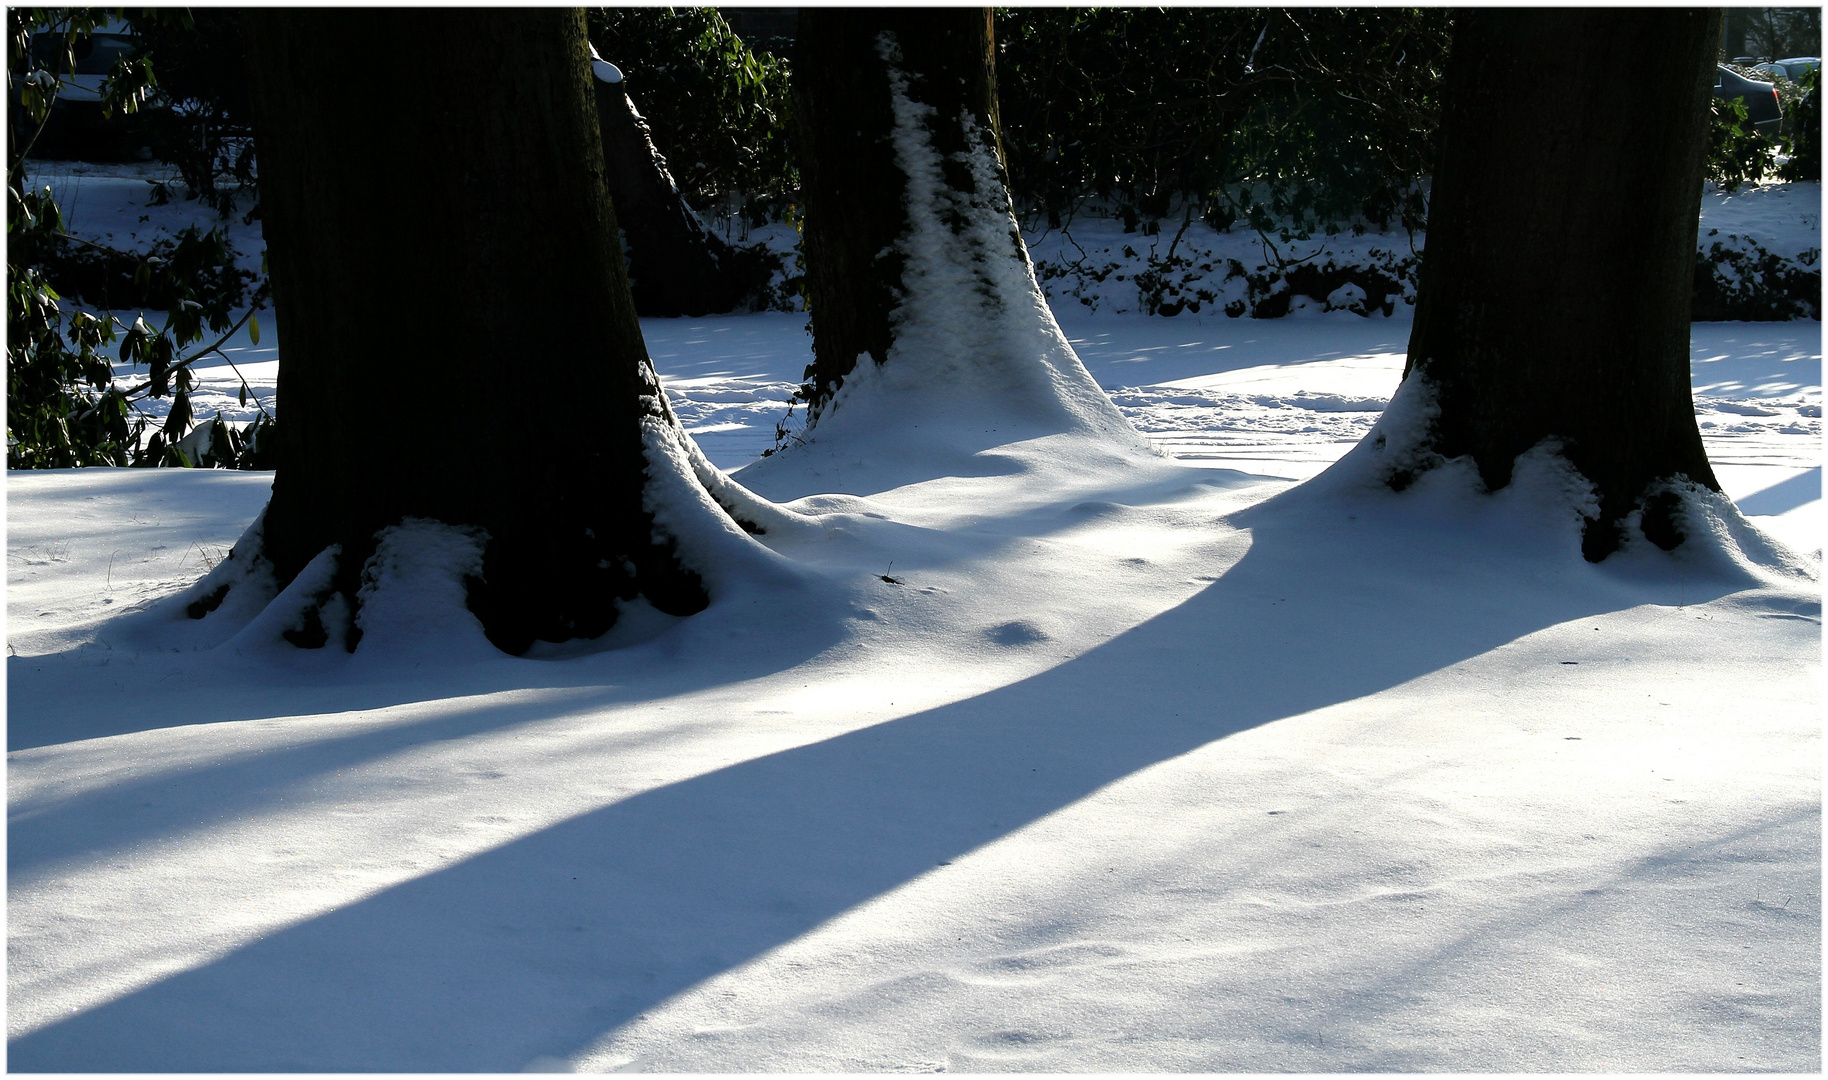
1137 763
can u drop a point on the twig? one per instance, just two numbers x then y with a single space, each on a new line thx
215 347
19 166
1186 220
61 235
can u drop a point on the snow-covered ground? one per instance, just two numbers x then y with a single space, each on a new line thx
1137 763
1283 397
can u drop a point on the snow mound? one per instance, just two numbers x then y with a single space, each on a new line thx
295 604
1396 444
698 507
1546 504
412 606
226 599
1720 543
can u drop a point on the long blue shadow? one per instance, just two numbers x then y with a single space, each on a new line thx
43 835
541 946
1785 495
51 698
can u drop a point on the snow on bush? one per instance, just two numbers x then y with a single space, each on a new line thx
1739 279
1759 260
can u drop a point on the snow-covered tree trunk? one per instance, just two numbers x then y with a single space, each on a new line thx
1553 302
917 276
677 266
439 231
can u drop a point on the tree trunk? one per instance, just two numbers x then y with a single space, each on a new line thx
1554 296
676 266
439 232
850 181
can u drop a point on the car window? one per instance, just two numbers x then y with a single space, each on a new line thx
95 53
103 51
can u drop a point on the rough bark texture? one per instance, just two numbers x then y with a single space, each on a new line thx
852 189
439 230
676 266
1554 298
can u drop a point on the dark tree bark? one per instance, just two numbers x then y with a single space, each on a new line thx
439 230
851 185
676 266
1554 296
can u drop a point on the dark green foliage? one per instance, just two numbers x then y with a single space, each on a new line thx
1306 117
193 275
64 409
219 444
1773 33
1737 153
717 109
59 412
1802 139
202 123
1737 279
46 44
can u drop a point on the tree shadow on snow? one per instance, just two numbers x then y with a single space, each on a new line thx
51 699
541 946
1785 495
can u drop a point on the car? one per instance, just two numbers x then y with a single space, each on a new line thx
1798 66
1794 68
1760 98
95 54
76 127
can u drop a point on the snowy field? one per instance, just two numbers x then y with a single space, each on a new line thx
1139 761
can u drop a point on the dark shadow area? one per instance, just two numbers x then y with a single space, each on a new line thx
50 696
164 804
47 706
541 946
1785 495
48 712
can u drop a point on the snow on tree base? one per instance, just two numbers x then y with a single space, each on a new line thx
975 343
